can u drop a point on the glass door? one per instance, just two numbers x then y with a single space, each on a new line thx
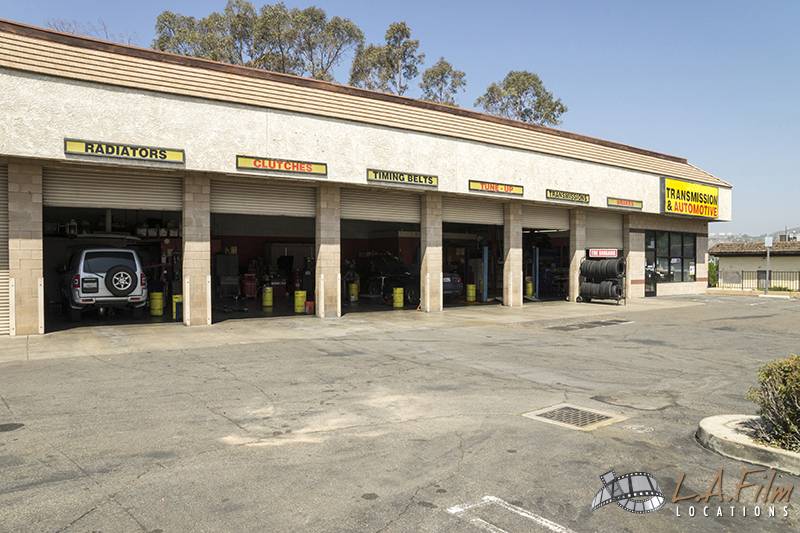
650 275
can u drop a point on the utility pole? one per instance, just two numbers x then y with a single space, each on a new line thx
767 245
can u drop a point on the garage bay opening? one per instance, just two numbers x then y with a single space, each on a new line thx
112 247
262 249
380 244
545 263
472 270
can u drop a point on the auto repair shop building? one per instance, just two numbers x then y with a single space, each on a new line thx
224 175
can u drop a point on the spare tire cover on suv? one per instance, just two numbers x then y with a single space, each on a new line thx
121 280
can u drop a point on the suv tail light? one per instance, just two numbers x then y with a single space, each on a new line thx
143 280
76 281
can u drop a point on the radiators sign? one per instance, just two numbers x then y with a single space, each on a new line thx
123 151
499 188
266 164
690 199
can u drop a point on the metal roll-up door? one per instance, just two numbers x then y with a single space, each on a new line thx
472 211
5 304
603 230
262 197
73 186
545 217
388 206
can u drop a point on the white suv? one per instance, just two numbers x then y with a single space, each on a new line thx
105 278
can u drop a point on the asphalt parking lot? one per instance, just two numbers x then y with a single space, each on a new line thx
389 428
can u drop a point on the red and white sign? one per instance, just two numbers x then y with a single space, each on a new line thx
603 252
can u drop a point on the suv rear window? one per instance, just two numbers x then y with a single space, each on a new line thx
100 262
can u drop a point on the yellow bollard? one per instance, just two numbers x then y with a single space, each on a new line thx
177 298
471 292
156 304
266 297
397 297
529 289
352 290
299 301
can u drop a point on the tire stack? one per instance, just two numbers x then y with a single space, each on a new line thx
602 279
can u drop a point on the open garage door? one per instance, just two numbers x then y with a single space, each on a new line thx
545 217
472 211
112 188
99 220
5 304
262 248
261 197
384 206
603 230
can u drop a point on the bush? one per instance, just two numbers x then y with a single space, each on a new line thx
713 273
778 400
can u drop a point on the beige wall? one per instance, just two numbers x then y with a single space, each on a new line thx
512 261
40 111
430 273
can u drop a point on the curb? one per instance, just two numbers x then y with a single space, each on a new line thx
721 434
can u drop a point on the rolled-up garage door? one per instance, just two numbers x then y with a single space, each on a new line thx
112 188
258 196
472 211
545 217
603 230
380 205
5 305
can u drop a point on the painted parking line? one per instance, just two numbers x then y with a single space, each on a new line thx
481 513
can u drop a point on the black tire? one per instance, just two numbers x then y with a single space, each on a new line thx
411 294
121 280
74 315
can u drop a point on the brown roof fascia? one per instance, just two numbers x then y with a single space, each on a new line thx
167 57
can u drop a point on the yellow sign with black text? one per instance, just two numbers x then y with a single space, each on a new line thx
567 196
690 199
402 178
267 164
124 151
498 188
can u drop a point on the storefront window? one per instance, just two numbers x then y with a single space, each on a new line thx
673 255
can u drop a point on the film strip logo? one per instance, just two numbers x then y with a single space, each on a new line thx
636 492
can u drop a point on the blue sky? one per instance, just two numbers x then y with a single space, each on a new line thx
714 81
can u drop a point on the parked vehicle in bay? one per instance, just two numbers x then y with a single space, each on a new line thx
452 284
104 279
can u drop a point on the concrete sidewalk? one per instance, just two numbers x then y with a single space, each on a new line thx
107 340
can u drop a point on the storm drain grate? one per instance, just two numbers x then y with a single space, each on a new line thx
573 417
590 325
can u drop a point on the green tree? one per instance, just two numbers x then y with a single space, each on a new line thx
441 83
390 67
293 41
522 96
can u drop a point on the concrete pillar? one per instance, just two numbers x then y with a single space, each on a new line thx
512 258
635 263
328 251
577 250
430 270
25 247
626 250
196 250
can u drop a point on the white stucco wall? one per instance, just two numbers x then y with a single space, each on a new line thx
39 112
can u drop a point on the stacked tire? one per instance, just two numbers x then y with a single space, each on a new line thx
602 279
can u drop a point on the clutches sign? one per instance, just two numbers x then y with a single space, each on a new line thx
266 164
499 188
402 178
690 199
123 151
